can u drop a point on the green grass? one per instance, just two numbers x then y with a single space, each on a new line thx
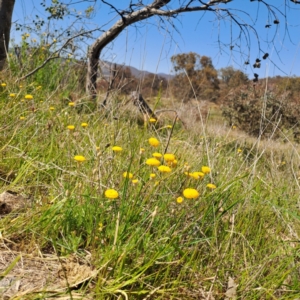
145 244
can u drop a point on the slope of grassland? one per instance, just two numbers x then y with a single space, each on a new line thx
239 239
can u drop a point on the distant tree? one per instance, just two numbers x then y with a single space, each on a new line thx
152 84
195 77
6 11
232 77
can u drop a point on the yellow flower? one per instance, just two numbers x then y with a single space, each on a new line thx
197 175
22 118
111 194
152 175
173 163
71 103
239 150
168 157
127 175
134 181
233 127
190 193
157 155
153 142
164 169
51 108
28 97
142 150
211 186
179 200
191 175
152 120
71 127
205 169
79 158
84 124
153 162
169 126
38 87
117 149
12 95
3 84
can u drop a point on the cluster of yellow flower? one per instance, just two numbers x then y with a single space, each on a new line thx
164 163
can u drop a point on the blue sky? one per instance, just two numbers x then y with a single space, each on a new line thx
150 45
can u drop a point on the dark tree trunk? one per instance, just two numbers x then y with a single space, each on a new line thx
6 11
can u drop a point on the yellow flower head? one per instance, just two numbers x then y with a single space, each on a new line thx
197 175
205 169
28 97
71 103
153 162
157 155
211 186
169 157
154 142
51 108
134 181
239 150
127 175
22 118
173 163
152 175
3 84
164 169
152 120
142 150
111 194
12 95
71 127
190 193
84 124
190 174
117 149
79 158
179 200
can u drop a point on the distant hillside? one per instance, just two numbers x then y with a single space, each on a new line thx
105 67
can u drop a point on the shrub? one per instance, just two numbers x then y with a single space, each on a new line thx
264 114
